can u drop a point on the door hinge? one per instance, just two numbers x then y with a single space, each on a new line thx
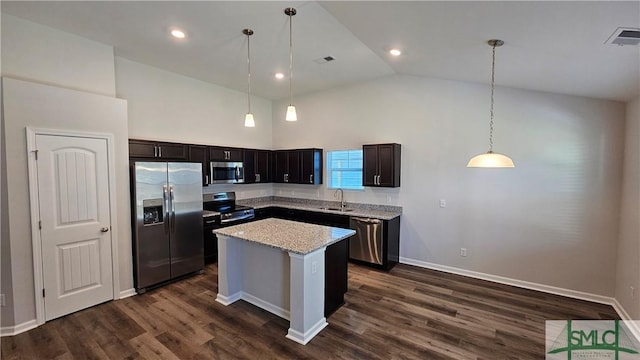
40 224
42 292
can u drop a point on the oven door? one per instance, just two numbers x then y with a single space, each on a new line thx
227 172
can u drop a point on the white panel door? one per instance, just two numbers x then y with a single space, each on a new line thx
73 187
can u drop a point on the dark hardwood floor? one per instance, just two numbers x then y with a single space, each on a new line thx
408 313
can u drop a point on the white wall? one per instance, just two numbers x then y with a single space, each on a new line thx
552 220
42 54
172 107
628 271
47 56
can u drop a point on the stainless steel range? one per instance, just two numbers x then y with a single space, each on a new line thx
220 210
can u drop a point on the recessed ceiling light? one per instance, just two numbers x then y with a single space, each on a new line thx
279 76
395 52
178 34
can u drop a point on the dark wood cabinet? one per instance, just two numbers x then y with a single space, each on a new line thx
302 166
217 153
154 150
257 168
311 166
200 153
381 165
287 166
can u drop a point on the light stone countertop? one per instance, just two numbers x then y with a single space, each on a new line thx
355 209
287 235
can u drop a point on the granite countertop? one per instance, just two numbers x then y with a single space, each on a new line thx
287 235
362 210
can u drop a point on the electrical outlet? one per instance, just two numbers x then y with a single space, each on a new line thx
443 203
632 290
314 267
463 252
2 303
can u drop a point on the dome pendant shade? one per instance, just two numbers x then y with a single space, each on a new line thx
248 120
491 160
291 113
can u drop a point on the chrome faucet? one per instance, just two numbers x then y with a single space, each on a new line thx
342 203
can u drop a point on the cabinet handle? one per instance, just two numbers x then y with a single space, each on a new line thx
206 179
375 179
311 179
286 177
257 177
155 151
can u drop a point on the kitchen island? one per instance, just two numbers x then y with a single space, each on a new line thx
278 265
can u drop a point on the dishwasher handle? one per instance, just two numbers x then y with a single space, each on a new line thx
366 220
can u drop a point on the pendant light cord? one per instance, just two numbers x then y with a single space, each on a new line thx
249 71
493 77
290 58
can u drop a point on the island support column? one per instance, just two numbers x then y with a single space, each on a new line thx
306 296
230 262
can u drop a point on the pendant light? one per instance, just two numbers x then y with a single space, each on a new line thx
492 159
248 119
291 110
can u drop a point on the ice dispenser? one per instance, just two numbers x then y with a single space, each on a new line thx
153 213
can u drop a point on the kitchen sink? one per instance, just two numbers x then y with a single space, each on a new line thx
335 209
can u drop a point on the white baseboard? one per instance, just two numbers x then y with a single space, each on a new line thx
275 310
303 339
17 329
127 293
228 300
513 282
634 324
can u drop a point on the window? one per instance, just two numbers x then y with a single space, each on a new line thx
344 169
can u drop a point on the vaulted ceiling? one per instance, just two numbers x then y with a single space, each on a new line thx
553 46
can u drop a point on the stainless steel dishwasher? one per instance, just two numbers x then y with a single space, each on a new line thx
366 244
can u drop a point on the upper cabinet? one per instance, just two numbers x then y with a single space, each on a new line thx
224 154
143 149
200 154
311 166
381 165
302 166
257 166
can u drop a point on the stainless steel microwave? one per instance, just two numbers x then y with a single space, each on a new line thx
224 172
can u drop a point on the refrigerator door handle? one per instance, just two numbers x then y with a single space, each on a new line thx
165 199
173 209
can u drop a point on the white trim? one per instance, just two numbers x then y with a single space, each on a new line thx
303 339
634 325
127 293
513 282
228 300
36 240
18 329
275 310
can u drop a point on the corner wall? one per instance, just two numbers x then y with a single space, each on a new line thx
553 220
628 266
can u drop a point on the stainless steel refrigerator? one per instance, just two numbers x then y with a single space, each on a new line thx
167 223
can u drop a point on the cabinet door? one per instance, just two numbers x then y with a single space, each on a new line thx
369 164
262 172
306 166
386 165
281 160
235 154
200 153
294 166
142 149
170 151
248 163
217 153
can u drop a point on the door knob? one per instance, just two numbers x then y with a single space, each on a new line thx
104 229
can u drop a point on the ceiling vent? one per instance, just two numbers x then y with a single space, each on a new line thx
624 36
325 59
